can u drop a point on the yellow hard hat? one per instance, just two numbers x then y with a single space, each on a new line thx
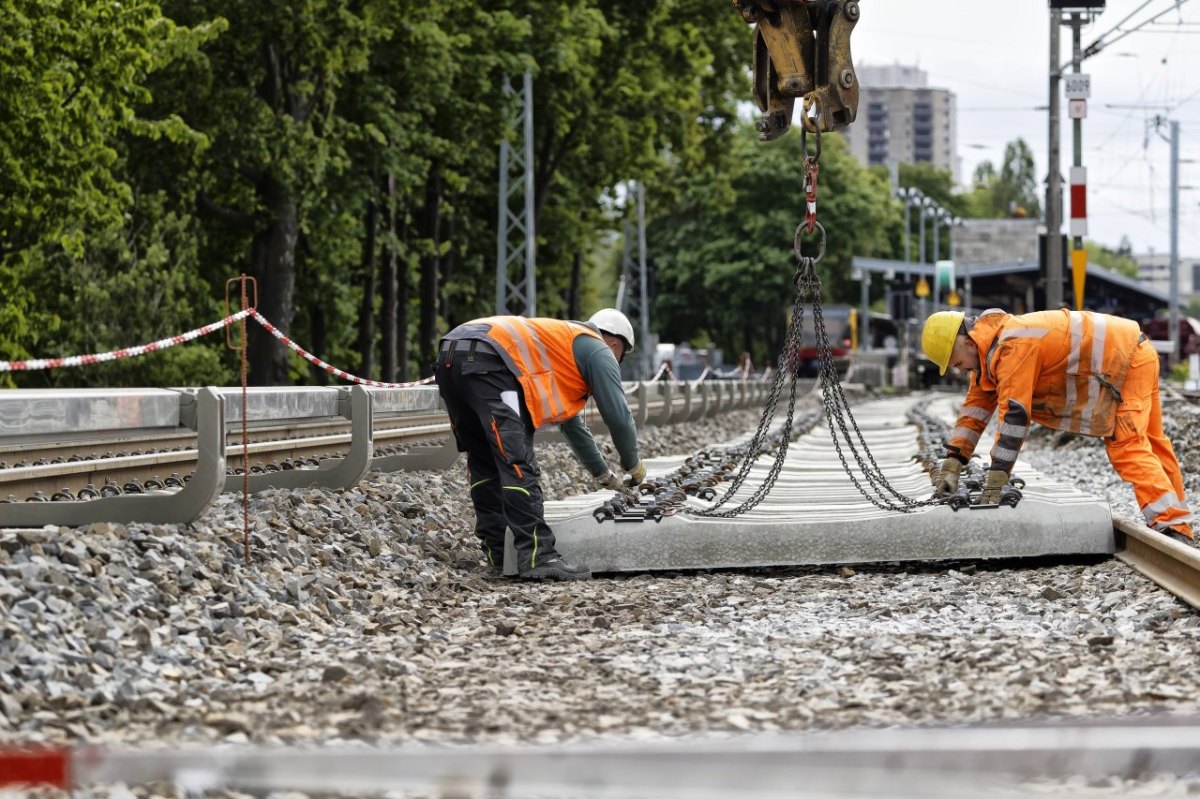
937 339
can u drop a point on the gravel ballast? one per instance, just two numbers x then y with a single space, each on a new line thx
354 622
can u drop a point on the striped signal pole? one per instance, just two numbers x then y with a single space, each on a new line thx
1079 229
1078 88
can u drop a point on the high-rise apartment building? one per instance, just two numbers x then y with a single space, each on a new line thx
902 120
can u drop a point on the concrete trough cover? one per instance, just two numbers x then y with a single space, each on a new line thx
815 515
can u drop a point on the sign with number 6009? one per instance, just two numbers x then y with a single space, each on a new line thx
1077 86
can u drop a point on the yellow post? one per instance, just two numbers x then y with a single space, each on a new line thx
853 328
1079 273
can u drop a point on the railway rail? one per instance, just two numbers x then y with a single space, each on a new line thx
70 449
984 762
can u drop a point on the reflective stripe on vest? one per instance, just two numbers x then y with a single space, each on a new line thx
1091 353
541 352
528 342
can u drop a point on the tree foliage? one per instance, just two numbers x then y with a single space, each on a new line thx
1119 260
724 256
1010 192
74 102
344 154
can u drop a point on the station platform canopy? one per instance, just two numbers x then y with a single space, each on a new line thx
1020 286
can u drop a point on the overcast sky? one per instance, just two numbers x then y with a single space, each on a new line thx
994 55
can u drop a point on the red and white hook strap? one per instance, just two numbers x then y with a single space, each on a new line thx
128 352
811 170
333 370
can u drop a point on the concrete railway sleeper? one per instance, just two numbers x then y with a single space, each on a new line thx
813 517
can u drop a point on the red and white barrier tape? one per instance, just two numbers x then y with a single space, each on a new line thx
128 352
333 370
132 352
664 369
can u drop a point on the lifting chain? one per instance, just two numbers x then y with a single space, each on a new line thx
841 420
700 473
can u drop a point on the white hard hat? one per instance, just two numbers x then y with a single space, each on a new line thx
614 323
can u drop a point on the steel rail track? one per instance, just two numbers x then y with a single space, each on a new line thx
16 456
991 760
1170 564
74 466
25 482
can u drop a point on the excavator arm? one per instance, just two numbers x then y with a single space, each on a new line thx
802 50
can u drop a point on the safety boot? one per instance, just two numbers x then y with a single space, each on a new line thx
555 568
1175 535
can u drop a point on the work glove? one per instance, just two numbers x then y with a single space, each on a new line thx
993 484
611 482
945 481
637 475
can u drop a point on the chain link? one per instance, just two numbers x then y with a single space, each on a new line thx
787 371
841 420
833 399
699 474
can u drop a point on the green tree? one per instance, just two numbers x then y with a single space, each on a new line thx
342 152
266 94
938 185
1119 261
1013 191
75 101
724 254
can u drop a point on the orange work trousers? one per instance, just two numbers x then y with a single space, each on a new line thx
1141 452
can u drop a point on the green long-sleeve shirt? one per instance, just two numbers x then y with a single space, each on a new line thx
603 375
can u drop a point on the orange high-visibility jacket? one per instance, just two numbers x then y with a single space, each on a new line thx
1062 369
540 353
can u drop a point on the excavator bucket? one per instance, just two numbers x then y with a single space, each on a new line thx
802 50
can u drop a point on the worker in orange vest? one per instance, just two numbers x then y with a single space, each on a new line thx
503 377
1078 371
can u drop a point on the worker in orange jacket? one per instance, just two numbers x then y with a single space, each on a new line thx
1078 371
502 378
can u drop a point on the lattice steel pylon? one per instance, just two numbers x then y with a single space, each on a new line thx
516 238
633 290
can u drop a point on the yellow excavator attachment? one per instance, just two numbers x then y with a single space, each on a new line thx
802 50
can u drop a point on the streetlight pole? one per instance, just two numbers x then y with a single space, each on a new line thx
924 204
907 233
909 195
938 215
957 223
1173 294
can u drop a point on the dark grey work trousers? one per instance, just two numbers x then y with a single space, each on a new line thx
498 440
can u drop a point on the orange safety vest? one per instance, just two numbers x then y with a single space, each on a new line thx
1062 369
541 354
